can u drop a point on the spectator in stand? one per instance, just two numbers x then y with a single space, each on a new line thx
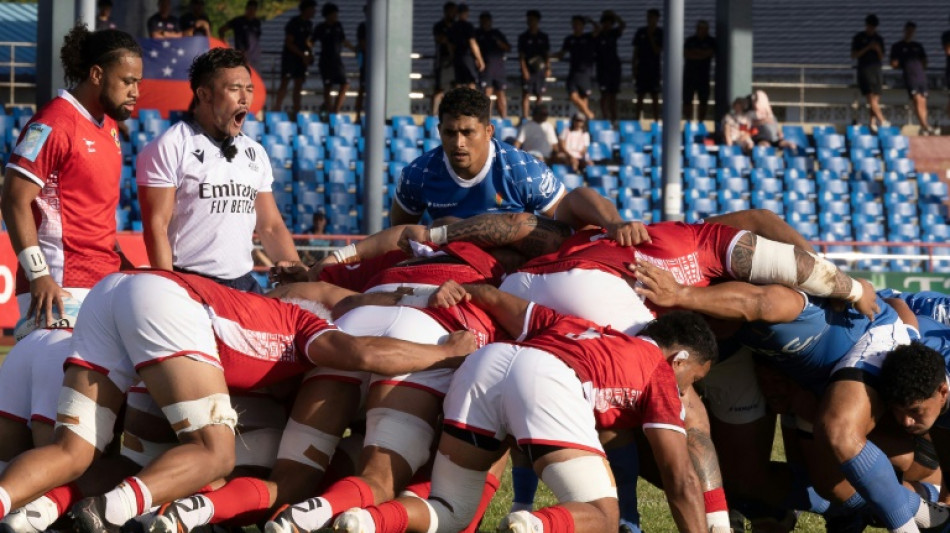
766 130
196 22
493 45
699 51
647 49
467 56
737 126
361 61
574 142
296 57
537 136
868 48
332 39
608 62
163 25
580 46
444 67
945 41
247 33
534 50
909 55
104 15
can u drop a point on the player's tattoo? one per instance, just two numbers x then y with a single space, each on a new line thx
741 259
529 234
702 454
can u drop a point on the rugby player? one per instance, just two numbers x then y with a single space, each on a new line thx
537 389
189 339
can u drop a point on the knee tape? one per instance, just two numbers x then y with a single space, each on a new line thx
456 486
303 444
582 479
142 451
90 421
400 432
257 447
213 410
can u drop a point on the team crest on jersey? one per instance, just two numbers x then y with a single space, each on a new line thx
115 137
33 141
250 153
548 184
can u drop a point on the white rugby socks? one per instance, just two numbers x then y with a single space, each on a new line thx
129 499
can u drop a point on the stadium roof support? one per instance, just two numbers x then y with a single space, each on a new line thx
54 20
672 109
733 53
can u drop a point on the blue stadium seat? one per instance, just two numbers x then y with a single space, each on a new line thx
771 187
701 208
399 121
628 128
410 132
821 131
801 163
729 151
904 166
739 162
775 206
795 134
888 131
431 125
149 114
273 117
317 132
809 230
801 210
281 155
406 155
431 144
348 131
640 139
758 174
598 152
596 126
805 188
253 129
310 152
833 142
867 169
690 150
635 159
690 175
737 185
865 142
343 154
933 192
895 142
736 204
759 151
306 117
284 130
338 119
937 233
771 162
155 127
857 130
834 190
572 181
703 161
607 137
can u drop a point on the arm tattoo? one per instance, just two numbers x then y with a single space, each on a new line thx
530 234
702 454
741 259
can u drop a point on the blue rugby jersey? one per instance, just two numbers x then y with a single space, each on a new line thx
513 182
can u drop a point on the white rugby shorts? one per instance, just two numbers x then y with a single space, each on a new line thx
504 389
869 353
32 375
594 295
732 392
129 321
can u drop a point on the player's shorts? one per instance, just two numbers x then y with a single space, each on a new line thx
504 389
594 295
333 73
465 71
870 79
863 361
535 84
32 375
292 67
732 392
494 76
697 85
129 321
579 82
406 323
647 81
608 78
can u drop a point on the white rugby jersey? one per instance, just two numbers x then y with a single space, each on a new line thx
214 217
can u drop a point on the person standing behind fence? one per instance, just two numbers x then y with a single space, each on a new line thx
332 39
163 25
296 57
867 47
247 33
196 22
647 49
580 46
467 56
494 45
909 55
443 70
699 51
534 49
608 62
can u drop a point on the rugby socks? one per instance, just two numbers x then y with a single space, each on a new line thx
801 495
419 489
347 493
4 503
928 491
524 483
43 511
389 517
129 499
930 514
717 511
491 486
625 464
243 501
555 520
871 474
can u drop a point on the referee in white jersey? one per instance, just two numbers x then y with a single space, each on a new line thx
205 188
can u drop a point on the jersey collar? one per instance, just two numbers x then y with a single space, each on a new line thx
66 95
467 184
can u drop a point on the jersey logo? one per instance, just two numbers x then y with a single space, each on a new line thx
200 155
90 145
591 333
33 141
250 153
115 137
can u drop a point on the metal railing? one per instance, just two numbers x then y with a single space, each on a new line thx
13 64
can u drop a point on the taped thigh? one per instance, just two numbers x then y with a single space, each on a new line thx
193 415
581 479
305 444
400 432
88 420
